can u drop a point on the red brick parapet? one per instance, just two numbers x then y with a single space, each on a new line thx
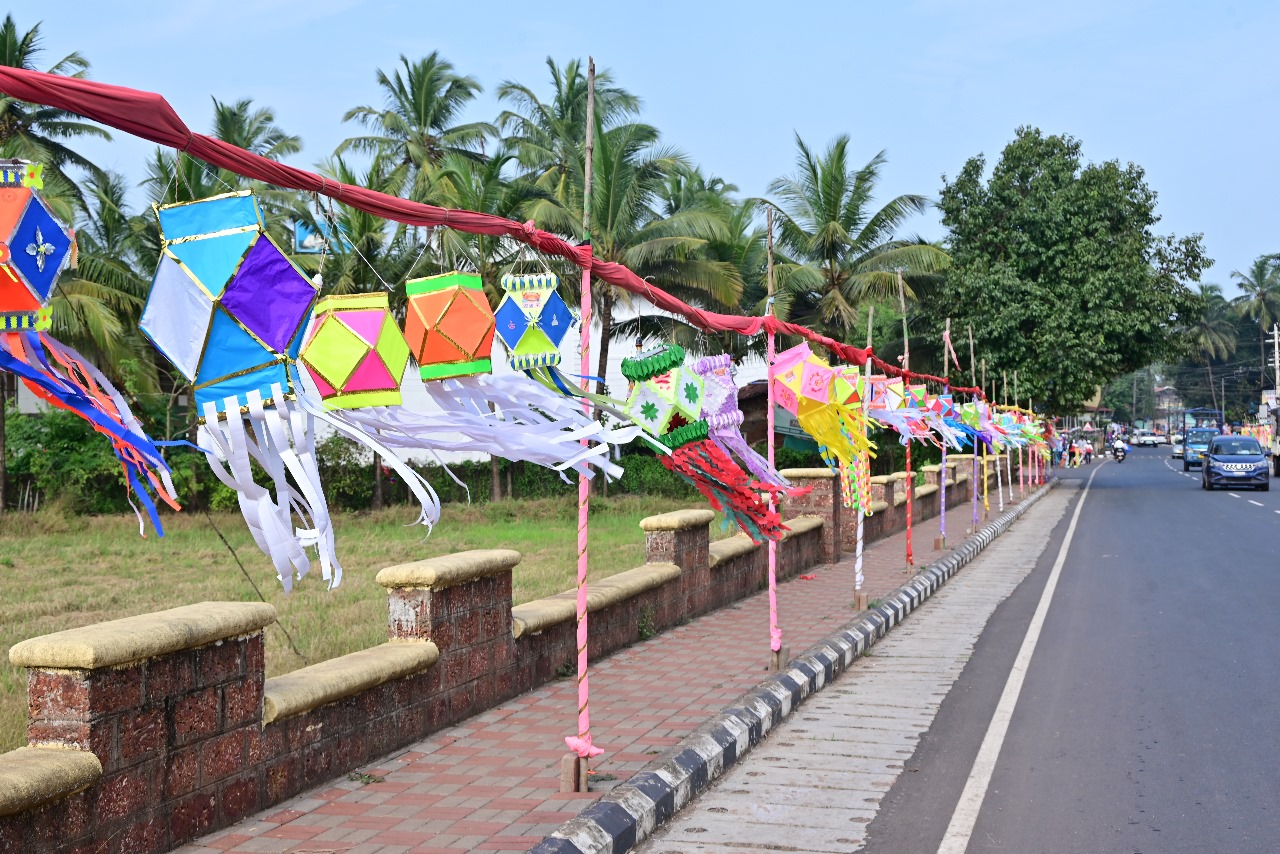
152 730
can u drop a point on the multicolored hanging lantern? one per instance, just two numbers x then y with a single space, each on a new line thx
811 390
449 325
665 394
724 418
532 321
662 395
229 310
227 307
35 249
354 349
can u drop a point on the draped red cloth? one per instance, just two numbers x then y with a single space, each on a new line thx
149 116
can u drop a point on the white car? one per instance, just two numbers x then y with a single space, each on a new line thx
1145 439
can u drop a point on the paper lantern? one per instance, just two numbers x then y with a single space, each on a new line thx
227 307
822 399
448 320
355 351
533 319
229 310
449 325
35 248
667 398
665 394
724 418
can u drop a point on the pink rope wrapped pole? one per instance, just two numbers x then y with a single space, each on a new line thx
942 479
581 744
775 631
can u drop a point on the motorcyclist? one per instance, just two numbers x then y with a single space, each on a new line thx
1118 446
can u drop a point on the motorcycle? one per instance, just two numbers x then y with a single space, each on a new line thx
1119 454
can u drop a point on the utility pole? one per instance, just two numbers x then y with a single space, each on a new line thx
1133 413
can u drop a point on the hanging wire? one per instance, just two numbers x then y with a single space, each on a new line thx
332 219
254 585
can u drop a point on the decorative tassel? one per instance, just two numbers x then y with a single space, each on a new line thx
746 502
724 418
82 389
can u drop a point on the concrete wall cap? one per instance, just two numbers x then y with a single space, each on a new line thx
898 475
927 489
882 479
438 573
879 507
932 468
533 617
31 776
332 680
677 520
145 636
729 548
814 473
801 525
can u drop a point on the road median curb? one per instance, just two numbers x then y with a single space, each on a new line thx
630 813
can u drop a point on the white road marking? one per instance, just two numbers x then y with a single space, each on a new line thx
1256 503
956 840
1233 495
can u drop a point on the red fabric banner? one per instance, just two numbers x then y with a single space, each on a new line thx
149 116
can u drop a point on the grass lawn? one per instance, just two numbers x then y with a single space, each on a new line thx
62 572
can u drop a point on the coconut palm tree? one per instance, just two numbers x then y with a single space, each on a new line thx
853 250
253 129
35 132
484 187
1260 300
418 125
548 137
630 171
1213 336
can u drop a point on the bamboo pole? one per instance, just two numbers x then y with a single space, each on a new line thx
573 775
906 366
973 481
860 598
776 654
942 474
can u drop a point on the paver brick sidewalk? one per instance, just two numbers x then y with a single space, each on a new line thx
492 783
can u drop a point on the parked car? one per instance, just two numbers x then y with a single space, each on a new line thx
1235 461
1175 442
1195 445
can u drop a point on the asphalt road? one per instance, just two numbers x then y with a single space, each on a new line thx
1147 718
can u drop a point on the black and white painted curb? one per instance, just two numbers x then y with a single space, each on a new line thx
629 814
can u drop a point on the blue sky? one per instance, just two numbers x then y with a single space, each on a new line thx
1185 89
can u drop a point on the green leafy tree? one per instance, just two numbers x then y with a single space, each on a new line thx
1260 300
1057 269
851 250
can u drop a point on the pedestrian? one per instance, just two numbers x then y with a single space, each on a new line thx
1088 451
